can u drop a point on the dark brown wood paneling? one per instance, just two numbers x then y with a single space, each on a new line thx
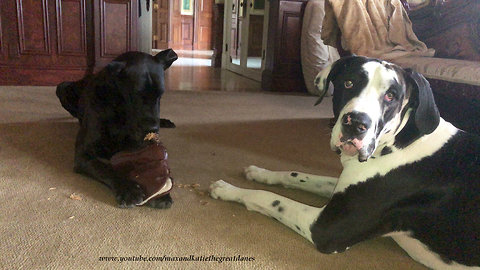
33 27
115 29
218 12
45 42
283 69
2 44
71 28
116 21
288 51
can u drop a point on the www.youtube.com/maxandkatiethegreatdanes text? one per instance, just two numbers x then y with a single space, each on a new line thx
166 258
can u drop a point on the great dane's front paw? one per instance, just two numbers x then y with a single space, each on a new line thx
128 194
163 202
223 191
256 174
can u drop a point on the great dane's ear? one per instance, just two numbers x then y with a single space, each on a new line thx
166 57
115 67
322 80
426 112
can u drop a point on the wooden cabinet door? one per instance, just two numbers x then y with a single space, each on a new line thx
283 70
115 29
45 42
3 52
187 32
203 25
161 25
42 41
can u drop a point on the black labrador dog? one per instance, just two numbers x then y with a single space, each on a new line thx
116 108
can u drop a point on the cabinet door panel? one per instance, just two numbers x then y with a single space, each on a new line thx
33 27
116 28
71 27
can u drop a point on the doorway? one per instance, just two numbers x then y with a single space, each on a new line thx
245 37
182 24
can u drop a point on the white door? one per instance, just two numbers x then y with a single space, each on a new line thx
245 37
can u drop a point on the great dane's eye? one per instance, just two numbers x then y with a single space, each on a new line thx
348 84
389 96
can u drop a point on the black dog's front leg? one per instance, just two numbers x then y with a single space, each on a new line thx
127 193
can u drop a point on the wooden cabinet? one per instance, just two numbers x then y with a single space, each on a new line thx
115 23
283 69
44 42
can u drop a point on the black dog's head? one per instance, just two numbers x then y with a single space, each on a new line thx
375 101
122 101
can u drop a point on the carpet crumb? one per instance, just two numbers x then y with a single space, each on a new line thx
71 217
74 196
52 188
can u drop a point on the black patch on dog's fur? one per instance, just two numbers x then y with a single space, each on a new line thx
275 203
386 150
435 198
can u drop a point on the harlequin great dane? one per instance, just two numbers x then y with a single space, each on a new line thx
407 173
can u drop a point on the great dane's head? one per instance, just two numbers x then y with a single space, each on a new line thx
375 102
123 99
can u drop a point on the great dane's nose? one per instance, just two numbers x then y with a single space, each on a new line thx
355 123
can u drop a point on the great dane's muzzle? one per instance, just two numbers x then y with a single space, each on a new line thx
354 127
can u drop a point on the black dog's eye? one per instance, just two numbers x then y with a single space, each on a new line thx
348 84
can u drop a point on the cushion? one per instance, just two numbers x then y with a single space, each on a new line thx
452 70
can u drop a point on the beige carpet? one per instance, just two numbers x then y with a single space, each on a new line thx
217 134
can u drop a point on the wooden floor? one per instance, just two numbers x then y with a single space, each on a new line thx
195 75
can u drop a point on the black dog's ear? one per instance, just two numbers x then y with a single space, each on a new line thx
115 67
69 94
426 112
166 57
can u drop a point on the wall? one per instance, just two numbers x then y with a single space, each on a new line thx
145 28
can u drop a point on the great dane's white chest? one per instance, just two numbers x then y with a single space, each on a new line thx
355 172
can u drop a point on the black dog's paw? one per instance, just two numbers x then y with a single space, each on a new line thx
163 202
165 123
128 194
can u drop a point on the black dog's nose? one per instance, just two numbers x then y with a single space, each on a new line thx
355 123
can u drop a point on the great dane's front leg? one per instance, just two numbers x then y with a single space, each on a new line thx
321 185
297 216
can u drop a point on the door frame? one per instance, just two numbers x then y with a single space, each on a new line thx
255 74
